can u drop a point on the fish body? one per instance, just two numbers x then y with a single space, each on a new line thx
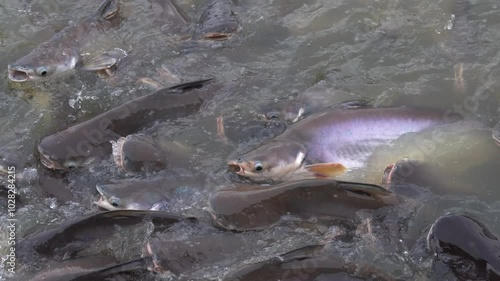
350 136
307 263
256 207
196 248
342 136
80 143
73 269
63 52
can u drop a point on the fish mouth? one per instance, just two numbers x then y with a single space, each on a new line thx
104 204
217 36
18 75
236 168
51 164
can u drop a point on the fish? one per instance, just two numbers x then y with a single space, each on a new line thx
444 160
135 269
86 141
64 51
133 194
306 264
217 21
465 247
411 177
148 194
138 152
251 207
71 237
199 246
330 142
72 269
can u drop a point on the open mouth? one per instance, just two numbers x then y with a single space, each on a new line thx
18 75
50 164
235 168
102 203
46 161
217 36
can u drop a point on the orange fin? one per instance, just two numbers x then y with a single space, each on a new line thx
326 170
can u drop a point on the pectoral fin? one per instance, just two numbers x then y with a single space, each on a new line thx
325 170
103 61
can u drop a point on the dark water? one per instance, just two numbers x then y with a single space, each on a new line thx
390 52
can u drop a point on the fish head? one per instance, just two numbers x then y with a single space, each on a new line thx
273 161
44 62
67 150
128 195
107 200
138 152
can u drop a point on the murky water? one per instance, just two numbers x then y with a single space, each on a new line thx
389 51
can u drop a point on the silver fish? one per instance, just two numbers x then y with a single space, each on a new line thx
330 142
63 52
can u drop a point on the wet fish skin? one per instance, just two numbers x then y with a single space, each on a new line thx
149 194
72 269
306 264
182 256
73 236
344 136
88 140
257 207
466 246
63 51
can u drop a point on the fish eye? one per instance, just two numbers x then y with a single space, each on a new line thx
258 167
115 202
42 71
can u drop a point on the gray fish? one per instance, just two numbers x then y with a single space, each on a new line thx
83 142
73 236
464 246
138 152
306 264
63 52
72 269
218 21
197 249
147 194
256 207
402 176
332 141
133 194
